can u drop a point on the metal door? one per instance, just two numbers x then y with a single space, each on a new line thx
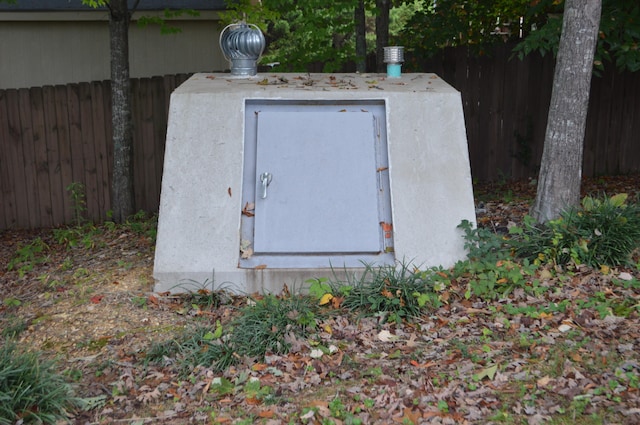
316 189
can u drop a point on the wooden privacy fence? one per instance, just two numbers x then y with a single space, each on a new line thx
506 101
51 137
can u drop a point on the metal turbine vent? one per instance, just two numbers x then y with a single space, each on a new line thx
242 45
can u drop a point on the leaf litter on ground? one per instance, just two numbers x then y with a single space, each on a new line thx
567 353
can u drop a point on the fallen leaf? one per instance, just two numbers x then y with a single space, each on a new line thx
544 381
386 336
253 401
326 299
316 353
246 253
266 414
489 372
248 209
409 416
147 396
310 414
422 365
625 276
336 301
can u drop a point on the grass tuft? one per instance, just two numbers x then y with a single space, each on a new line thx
397 292
30 389
266 326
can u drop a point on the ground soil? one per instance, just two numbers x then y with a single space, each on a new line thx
93 309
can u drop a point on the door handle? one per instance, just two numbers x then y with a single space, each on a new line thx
265 179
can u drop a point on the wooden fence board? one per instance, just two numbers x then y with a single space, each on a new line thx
41 160
91 184
8 173
28 158
64 146
106 105
598 124
611 140
146 135
630 139
75 136
53 156
138 148
521 128
100 142
626 139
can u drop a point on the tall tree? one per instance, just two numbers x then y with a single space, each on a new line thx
123 199
561 167
122 194
361 36
383 8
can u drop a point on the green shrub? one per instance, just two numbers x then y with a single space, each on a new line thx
600 232
30 389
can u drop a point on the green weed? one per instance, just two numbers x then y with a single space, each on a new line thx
84 235
28 255
143 224
482 244
78 201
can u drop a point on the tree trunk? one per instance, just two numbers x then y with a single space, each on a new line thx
361 37
122 200
382 32
561 167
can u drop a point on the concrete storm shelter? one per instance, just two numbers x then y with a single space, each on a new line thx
279 178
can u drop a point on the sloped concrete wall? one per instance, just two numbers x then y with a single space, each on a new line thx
200 208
